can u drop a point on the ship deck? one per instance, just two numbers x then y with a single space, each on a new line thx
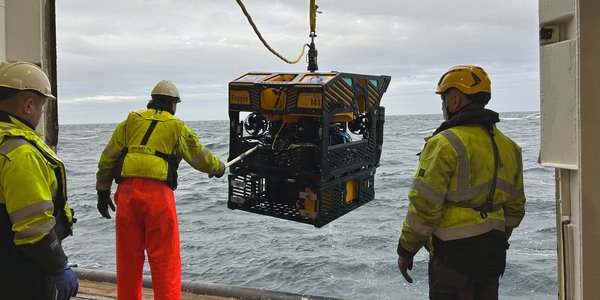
101 285
93 290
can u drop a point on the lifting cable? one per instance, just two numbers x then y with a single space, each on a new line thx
313 25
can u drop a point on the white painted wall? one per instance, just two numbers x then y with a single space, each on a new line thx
589 83
23 30
22 33
2 31
570 137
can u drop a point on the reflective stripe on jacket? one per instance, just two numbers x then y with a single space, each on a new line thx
455 175
29 187
169 136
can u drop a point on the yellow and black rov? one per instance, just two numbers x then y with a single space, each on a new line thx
317 139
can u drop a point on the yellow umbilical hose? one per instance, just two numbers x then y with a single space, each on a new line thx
313 16
312 20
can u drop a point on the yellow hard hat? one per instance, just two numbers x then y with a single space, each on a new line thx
166 88
25 76
469 79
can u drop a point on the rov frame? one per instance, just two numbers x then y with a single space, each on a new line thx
305 168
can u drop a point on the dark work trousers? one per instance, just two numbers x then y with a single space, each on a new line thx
446 283
25 282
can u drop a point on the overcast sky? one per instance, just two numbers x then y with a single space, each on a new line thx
112 52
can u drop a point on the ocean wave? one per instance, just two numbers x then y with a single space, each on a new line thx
70 138
352 257
533 116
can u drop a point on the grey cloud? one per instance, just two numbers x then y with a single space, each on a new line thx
121 48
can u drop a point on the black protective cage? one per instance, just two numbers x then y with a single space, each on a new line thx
307 167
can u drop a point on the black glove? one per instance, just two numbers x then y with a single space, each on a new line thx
104 201
66 283
220 173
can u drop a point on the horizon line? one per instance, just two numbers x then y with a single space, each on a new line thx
206 120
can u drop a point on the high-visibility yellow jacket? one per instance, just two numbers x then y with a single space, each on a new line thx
455 175
32 191
152 141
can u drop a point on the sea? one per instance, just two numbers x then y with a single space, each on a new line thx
353 257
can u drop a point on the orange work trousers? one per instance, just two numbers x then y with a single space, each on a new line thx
147 220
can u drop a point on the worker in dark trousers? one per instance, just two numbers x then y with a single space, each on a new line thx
467 194
34 214
142 157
